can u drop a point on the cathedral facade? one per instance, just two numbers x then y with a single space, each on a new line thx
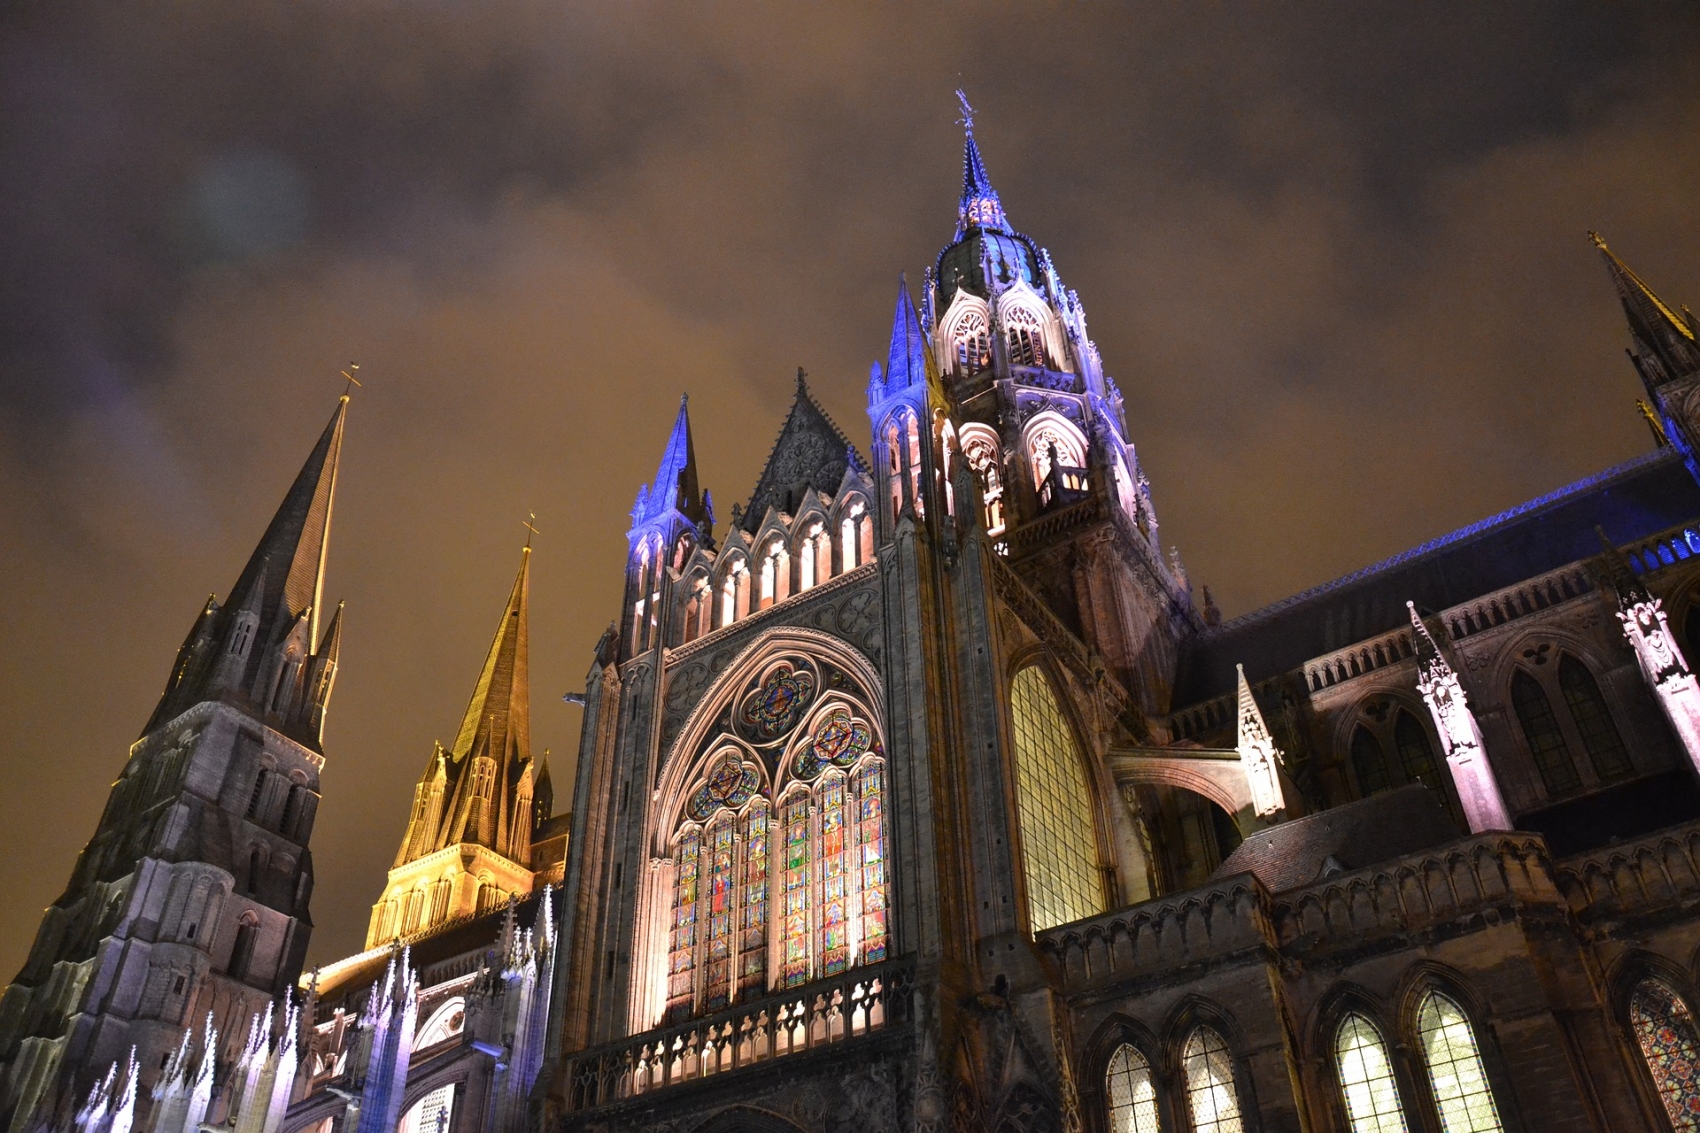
925 795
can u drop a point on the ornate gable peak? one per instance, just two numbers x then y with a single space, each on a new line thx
853 480
811 452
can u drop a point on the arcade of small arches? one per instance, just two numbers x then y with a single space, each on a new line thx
787 557
1023 323
771 870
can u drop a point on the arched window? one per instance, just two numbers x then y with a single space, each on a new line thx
447 1021
775 574
815 556
971 343
1456 1075
431 1114
1048 430
787 808
1211 1096
1131 1093
1415 754
734 592
1540 728
1026 337
242 951
855 536
981 450
1369 762
1366 1078
1665 1030
1600 738
1059 854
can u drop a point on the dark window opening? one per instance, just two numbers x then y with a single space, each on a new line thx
1540 727
1369 762
1588 708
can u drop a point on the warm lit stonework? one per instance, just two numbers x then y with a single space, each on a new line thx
922 795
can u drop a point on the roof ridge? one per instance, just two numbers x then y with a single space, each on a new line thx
1462 534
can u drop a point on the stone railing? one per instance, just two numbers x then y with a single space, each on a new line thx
1057 380
1357 660
1667 548
1237 914
1417 891
1538 593
1658 871
1161 934
843 1008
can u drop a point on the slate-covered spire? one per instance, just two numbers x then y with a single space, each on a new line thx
675 487
1667 343
906 363
273 605
979 207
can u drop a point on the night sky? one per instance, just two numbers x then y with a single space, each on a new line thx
1335 255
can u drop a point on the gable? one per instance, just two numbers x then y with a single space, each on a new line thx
811 452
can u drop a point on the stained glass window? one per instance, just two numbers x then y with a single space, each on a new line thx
752 943
717 977
1132 1094
794 912
1210 1093
1415 754
681 954
1369 763
870 840
1059 851
1540 727
1600 738
1455 1071
1665 1029
1366 1078
834 871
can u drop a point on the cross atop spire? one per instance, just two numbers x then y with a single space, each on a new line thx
980 207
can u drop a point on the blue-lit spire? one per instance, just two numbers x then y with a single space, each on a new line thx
906 363
980 207
675 486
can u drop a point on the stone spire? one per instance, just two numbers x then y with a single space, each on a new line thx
1665 341
979 207
1460 737
1259 756
906 361
1666 670
495 729
268 633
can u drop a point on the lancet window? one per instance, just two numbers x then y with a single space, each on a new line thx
734 592
1547 744
1026 337
855 536
775 574
1059 852
1048 432
971 343
984 455
1665 1031
1367 1082
1600 738
776 861
1211 1095
903 445
815 556
1457 1077
1131 1093
1369 762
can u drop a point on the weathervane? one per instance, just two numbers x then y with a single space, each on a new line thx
353 381
967 119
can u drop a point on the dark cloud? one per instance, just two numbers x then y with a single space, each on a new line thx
1334 255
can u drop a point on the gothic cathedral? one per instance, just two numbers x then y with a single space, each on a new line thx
926 795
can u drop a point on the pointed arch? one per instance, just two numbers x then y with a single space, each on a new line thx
967 334
1452 1060
1026 324
1547 745
1600 737
983 452
1048 428
1054 811
1207 1073
1130 1092
1665 1031
1368 1086
1369 762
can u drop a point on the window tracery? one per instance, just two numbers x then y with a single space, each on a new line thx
1370 1090
1665 1031
1131 1092
1457 1077
984 455
784 820
1050 430
1026 334
1059 852
971 342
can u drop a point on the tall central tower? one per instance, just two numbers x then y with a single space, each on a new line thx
191 897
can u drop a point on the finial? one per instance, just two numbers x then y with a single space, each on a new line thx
802 380
530 529
353 382
967 119
1599 241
